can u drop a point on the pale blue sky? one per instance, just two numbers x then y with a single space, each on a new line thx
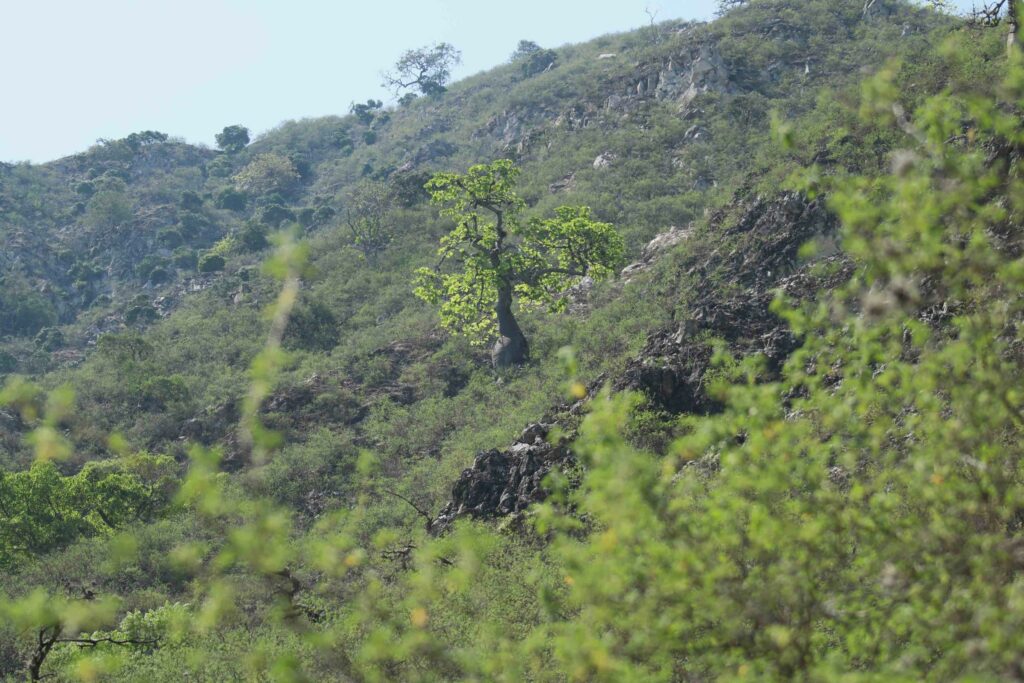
78 70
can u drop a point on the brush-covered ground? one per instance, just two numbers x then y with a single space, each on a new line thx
783 444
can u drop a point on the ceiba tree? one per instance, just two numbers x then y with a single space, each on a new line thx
501 258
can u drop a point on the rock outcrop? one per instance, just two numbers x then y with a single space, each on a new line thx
671 369
505 482
661 243
757 256
683 79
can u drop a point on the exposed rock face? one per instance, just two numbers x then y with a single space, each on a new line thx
671 369
665 241
564 184
504 482
683 80
661 243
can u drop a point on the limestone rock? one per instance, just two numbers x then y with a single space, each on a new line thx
604 160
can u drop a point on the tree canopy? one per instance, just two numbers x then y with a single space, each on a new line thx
233 139
428 69
501 257
266 174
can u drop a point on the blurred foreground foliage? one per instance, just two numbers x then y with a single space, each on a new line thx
858 519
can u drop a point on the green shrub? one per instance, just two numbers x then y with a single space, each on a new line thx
211 263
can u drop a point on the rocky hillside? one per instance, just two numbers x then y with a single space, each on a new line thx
411 482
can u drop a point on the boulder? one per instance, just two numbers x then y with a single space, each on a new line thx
504 482
664 241
661 243
604 160
564 184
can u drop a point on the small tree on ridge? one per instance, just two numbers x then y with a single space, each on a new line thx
428 69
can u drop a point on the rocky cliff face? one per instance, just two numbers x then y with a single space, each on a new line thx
670 371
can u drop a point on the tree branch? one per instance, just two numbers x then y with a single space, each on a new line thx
423 513
93 642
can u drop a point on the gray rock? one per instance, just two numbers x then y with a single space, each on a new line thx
604 160
705 72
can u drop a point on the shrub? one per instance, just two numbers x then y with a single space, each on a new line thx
266 174
50 338
185 258
211 263
232 199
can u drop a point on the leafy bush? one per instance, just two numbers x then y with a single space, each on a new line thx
211 263
266 174
313 326
232 199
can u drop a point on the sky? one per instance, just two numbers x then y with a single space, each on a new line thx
80 70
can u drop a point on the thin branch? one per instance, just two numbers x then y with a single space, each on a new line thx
414 506
93 642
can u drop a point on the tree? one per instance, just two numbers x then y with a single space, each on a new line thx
725 6
367 213
503 257
364 113
524 49
532 58
266 174
24 311
211 263
427 69
995 12
233 139
144 138
231 199
101 497
108 209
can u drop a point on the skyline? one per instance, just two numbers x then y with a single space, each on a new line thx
113 67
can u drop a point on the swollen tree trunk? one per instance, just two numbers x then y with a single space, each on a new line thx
511 348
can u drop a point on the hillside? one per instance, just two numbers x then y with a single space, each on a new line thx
706 470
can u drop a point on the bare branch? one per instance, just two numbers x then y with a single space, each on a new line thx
423 513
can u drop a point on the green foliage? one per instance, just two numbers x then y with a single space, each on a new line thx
233 139
253 235
272 215
312 326
855 519
50 338
364 113
137 141
532 58
191 201
267 174
368 209
427 69
232 199
40 509
537 260
211 263
108 209
23 310
185 259
862 523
